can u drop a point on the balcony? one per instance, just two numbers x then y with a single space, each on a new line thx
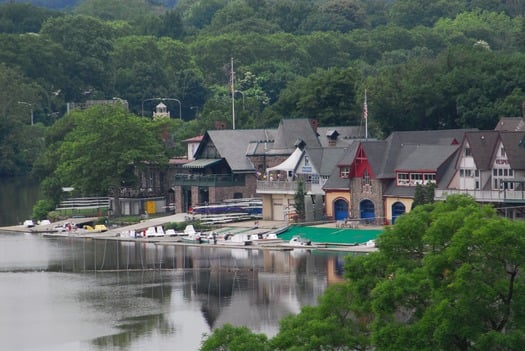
280 187
210 180
507 196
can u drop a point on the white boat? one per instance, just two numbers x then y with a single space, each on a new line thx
157 231
192 236
28 223
296 240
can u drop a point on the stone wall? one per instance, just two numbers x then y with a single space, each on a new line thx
374 193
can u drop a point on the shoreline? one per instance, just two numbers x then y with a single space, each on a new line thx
113 233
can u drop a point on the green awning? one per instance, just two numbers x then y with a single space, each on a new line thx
202 163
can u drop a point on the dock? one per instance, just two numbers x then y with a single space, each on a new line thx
245 227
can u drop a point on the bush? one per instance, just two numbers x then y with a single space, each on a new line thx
42 208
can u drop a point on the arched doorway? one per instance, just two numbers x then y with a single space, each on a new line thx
367 211
340 209
398 208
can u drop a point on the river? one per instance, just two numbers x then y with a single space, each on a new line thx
84 294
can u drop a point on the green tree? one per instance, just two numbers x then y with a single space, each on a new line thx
298 199
327 95
447 276
336 15
88 43
23 18
233 338
104 148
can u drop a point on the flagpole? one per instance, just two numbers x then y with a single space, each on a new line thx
232 91
365 115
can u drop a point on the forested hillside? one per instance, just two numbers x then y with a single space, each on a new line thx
424 64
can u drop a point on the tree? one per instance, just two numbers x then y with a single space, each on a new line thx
447 276
235 339
23 18
104 148
299 200
327 95
88 43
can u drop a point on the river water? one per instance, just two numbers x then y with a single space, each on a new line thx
84 294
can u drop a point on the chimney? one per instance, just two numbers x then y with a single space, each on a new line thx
220 125
314 123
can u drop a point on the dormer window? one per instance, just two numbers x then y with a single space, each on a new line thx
468 152
344 172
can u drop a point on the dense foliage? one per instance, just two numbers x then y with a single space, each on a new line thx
425 65
447 276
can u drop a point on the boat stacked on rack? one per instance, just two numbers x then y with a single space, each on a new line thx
193 236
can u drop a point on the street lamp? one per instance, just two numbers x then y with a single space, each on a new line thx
143 101
180 105
30 106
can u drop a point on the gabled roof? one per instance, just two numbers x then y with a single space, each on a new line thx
231 145
397 140
482 145
424 157
375 152
511 124
326 159
340 136
292 130
349 156
514 144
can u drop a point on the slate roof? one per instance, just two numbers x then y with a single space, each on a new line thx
397 140
231 145
325 159
511 124
482 145
376 151
335 182
423 157
292 130
514 144
345 135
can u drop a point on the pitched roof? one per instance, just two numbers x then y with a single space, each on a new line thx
292 130
514 144
231 145
511 124
326 159
339 136
423 157
482 144
397 140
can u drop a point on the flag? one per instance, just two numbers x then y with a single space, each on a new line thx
365 108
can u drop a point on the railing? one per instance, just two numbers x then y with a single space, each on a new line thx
280 187
84 203
215 180
484 195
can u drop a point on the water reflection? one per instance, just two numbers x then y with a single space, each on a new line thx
17 198
135 295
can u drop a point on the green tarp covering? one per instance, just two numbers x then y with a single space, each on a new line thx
332 235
